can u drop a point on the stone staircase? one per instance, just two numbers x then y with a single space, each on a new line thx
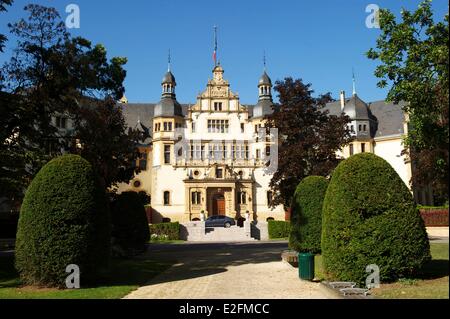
196 232
232 234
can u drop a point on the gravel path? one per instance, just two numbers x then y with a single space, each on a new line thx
227 271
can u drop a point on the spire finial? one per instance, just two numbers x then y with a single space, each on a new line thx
354 81
169 61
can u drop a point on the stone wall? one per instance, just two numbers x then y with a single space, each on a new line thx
259 230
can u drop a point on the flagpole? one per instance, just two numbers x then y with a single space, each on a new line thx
215 46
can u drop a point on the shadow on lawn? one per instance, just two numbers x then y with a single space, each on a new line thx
435 269
123 272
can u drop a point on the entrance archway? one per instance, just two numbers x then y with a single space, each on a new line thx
218 203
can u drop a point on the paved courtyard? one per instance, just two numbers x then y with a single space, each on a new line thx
227 271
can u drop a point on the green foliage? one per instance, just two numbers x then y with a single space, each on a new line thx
51 73
414 59
278 229
129 222
369 217
64 220
311 140
171 230
306 217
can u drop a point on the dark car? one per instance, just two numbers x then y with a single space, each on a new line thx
220 221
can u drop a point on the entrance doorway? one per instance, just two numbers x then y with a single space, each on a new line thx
218 205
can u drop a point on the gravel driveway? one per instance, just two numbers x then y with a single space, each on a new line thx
227 271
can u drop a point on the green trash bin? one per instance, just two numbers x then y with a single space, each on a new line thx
306 266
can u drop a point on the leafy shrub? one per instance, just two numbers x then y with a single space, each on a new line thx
129 222
63 220
278 229
306 230
171 230
369 217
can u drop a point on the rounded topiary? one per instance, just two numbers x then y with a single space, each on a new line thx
306 217
64 220
129 221
369 217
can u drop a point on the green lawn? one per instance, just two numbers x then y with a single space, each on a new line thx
124 277
431 284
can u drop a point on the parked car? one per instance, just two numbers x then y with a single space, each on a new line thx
220 221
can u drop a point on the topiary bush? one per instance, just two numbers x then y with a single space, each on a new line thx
306 220
63 220
369 217
129 222
278 229
168 231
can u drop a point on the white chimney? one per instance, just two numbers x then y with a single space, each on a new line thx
342 100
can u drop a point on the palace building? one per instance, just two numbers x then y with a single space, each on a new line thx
217 158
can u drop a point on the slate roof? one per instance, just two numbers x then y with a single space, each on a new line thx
389 117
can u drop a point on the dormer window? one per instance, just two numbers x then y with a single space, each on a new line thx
218 106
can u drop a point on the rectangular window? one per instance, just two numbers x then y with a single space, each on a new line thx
351 149
143 161
242 198
242 128
61 122
365 128
165 127
218 106
218 126
363 147
258 154
192 151
269 198
166 154
166 198
196 198
193 127
268 150
246 152
219 173
360 128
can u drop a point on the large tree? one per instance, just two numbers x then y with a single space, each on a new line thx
309 137
52 73
414 63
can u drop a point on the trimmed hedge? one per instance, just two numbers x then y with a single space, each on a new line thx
129 222
171 230
369 217
63 220
435 217
306 218
278 229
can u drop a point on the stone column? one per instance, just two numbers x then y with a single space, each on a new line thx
233 200
187 203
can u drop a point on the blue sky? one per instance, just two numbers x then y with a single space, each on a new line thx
319 41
